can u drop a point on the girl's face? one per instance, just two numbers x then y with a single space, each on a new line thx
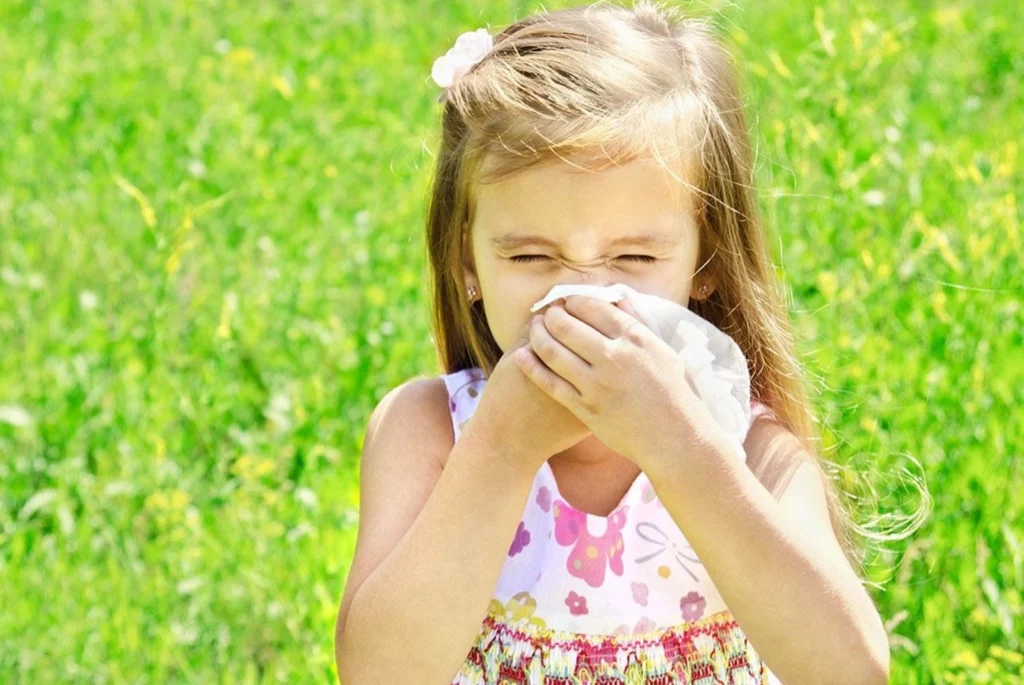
557 224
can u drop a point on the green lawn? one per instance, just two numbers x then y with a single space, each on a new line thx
212 267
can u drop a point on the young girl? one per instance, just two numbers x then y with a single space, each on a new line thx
558 507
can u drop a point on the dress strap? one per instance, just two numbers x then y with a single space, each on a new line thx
464 388
757 408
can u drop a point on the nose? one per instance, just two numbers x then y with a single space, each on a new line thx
576 279
593 273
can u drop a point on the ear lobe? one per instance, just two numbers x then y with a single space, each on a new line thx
703 290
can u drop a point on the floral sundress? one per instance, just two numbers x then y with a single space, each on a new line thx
601 600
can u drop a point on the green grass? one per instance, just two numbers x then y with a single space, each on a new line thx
212 267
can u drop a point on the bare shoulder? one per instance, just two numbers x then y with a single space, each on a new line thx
775 455
417 413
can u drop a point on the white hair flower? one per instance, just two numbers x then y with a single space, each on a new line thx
469 48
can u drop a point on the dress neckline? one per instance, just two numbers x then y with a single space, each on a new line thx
476 374
557 494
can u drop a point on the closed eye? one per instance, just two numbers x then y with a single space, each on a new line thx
534 257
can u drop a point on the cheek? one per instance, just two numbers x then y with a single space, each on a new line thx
514 288
661 281
668 284
508 311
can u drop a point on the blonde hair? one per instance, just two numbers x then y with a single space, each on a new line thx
610 84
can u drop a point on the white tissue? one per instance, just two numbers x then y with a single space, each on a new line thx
716 366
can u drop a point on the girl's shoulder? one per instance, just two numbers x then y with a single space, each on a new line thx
417 407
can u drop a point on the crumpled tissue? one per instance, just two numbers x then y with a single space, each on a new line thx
716 366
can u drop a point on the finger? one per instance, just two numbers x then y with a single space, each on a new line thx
557 356
625 305
559 389
576 335
600 315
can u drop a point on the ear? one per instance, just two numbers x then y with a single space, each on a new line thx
705 282
468 265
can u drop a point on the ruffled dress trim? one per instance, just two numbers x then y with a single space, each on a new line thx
516 648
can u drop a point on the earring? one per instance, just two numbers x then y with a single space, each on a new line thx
471 291
704 289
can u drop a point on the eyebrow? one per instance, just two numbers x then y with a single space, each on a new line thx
653 240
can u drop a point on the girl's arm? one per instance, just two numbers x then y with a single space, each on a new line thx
414 618
777 564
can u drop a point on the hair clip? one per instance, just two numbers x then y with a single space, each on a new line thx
469 48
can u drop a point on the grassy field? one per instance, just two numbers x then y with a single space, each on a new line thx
212 267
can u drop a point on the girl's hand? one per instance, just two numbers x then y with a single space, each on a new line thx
515 412
627 385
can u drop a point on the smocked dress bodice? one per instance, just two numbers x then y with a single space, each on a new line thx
592 599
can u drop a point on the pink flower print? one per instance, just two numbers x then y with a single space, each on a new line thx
644 625
544 498
692 606
521 540
590 553
640 593
452 405
577 604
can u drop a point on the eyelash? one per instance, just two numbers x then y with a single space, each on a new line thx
534 257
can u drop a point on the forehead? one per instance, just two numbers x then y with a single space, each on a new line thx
637 203
640 179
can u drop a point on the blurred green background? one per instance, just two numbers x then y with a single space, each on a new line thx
212 268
